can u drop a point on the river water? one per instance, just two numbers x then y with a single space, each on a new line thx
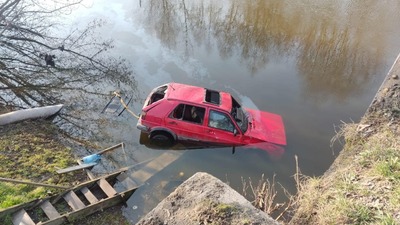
316 63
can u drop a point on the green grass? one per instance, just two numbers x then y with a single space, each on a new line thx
361 214
224 208
362 188
29 152
13 194
389 168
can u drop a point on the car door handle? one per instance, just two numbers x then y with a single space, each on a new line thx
173 122
211 132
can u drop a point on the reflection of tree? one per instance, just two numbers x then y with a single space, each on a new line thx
337 57
162 15
38 66
263 32
336 49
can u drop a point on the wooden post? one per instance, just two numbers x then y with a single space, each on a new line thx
111 148
88 172
32 183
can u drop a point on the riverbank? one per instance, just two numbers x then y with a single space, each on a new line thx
363 184
361 187
33 151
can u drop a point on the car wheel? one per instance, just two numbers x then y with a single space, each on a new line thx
162 139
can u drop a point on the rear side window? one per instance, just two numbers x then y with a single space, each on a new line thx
157 94
189 113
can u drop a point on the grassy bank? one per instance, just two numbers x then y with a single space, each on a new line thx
363 184
29 151
33 151
363 187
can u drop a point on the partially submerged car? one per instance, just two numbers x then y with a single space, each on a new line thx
179 112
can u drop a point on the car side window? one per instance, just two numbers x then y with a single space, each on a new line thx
189 113
178 112
221 121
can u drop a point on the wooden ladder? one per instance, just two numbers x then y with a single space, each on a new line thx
90 196
82 200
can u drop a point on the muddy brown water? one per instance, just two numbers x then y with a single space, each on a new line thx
316 63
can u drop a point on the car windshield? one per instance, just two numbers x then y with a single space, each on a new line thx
240 115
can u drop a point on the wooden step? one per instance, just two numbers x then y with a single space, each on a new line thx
89 195
73 200
22 217
49 210
106 187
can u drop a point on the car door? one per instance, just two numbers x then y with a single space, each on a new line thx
221 129
187 121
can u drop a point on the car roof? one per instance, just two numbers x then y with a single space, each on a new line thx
197 95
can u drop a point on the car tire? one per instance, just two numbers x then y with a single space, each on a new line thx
162 139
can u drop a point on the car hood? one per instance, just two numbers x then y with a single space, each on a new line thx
266 126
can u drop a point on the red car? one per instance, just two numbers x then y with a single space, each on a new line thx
179 112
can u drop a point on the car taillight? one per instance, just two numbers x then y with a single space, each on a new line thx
143 115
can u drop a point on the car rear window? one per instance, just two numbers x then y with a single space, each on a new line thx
158 94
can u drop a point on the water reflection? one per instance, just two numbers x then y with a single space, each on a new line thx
274 152
301 59
335 50
41 65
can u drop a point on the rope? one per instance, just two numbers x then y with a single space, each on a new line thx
125 106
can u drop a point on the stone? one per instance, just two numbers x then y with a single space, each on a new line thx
204 199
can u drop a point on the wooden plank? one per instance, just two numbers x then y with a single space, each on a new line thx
32 183
73 200
106 187
101 205
111 148
13 209
89 195
49 210
88 172
58 221
90 182
22 217
77 167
